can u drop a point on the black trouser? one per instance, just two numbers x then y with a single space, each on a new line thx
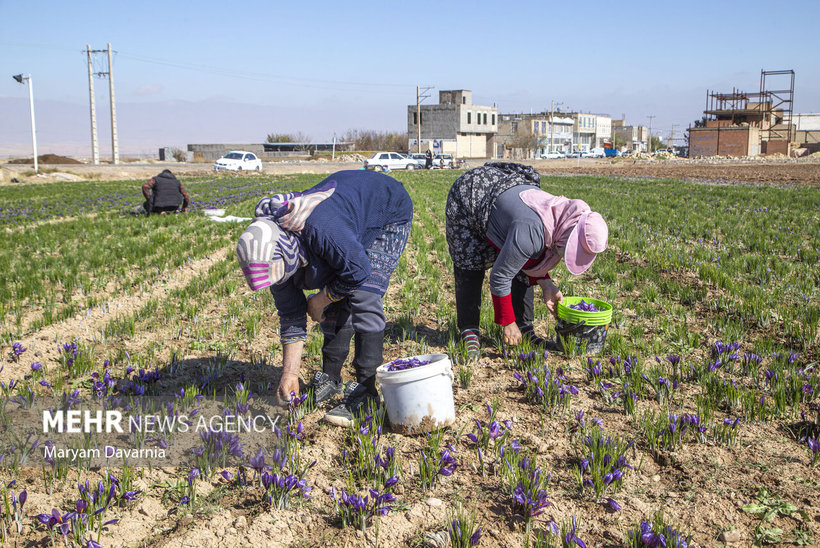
151 209
468 299
362 314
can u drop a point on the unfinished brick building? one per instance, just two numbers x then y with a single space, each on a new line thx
747 124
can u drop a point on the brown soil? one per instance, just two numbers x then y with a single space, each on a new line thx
44 344
771 171
46 159
703 487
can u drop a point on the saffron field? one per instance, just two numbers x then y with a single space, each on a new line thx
698 425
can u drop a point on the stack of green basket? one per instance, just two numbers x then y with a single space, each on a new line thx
587 329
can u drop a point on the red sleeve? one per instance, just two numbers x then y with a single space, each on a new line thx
502 307
146 188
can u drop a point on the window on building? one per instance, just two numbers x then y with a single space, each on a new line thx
415 118
463 100
514 127
485 118
543 128
493 119
468 117
535 127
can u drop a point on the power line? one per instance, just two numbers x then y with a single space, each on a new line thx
261 77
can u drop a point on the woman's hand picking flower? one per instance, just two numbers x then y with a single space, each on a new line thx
552 295
512 335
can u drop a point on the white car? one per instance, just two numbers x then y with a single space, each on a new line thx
238 160
388 161
421 159
553 155
443 161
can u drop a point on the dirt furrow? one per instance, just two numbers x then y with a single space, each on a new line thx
42 345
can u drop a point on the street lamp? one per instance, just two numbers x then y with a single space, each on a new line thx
553 104
20 78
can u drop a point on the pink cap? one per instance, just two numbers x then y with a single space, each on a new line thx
587 239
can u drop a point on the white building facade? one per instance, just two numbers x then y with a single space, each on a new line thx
454 126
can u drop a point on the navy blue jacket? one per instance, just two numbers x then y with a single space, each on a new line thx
335 237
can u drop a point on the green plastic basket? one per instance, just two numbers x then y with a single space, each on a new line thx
572 316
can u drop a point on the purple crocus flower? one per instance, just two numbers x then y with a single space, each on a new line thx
192 475
613 504
130 495
257 462
17 349
475 538
572 536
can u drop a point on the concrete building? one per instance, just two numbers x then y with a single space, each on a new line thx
809 121
454 126
525 136
520 136
560 138
583 131
635 138
807 135
603 130
265 151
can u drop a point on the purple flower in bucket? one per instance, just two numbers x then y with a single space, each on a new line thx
402 364
584 306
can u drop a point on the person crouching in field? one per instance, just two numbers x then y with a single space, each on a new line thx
497 216
164 194
344 237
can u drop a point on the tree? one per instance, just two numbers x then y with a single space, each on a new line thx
525 141
618 142
657 143
178 154
368 139
297 137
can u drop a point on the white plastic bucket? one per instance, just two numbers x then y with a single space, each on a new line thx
214 212
419 399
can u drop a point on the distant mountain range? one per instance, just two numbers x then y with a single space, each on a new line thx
64 127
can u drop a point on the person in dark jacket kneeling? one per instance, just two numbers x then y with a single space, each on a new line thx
164 194
343 237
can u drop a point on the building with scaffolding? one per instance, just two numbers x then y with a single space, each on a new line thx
748 123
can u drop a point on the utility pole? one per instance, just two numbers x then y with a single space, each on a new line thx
421 95
115 149
552 116
649 140
19 78
95 149
418 119
552 112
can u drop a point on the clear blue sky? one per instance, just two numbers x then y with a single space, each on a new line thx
239 70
